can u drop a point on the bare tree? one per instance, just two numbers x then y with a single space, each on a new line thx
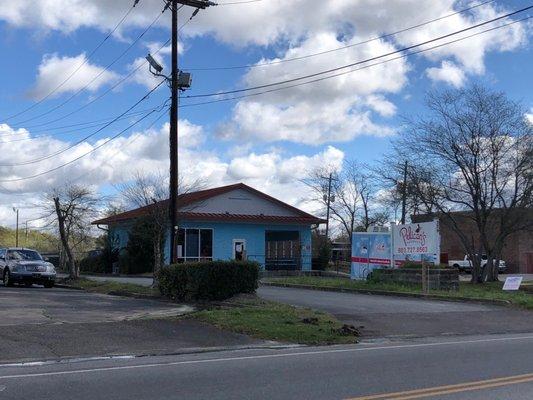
390 174
353 190
72 207
471 160
151 189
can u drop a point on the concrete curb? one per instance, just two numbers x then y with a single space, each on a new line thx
63 286
184 351
388 293
116 293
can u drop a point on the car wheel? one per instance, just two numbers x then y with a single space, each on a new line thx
49 285
7 278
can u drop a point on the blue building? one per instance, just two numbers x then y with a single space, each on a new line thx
231 222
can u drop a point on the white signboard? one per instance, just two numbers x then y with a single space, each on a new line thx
512 283
411 239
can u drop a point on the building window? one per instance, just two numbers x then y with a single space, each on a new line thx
195 244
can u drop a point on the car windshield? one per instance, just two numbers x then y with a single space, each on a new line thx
28 255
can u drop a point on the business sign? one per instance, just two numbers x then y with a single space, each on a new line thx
412 239
512 283
369 251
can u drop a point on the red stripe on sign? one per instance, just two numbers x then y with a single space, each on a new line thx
381 261
359 259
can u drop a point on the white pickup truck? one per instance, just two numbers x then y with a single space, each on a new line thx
466 264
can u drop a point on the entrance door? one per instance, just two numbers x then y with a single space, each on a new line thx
529 263
239 249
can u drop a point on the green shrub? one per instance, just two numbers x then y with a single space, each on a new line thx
94 264
213 280
138 255
374 276
102 262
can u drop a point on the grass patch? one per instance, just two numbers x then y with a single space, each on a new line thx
110 287
275 321
488 291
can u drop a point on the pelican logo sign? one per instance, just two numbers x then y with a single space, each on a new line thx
420 238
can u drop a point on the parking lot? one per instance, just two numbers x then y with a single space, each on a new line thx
41 324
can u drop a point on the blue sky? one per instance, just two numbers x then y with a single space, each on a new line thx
267 141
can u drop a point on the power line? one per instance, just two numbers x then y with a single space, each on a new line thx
340 48
98 75
356 69
110 89
346 72
130 142
86 137
93 125
77 68
80 125
221 93
232 3
81 156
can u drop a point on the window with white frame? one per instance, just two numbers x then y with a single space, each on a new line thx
194 244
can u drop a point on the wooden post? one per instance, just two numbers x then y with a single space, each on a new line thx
425 278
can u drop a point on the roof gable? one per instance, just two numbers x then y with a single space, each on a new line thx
232 200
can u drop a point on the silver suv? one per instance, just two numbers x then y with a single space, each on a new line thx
19 265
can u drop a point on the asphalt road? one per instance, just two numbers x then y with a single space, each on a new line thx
37 305
487 368
38 323
387 316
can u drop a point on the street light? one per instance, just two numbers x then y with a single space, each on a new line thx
154 64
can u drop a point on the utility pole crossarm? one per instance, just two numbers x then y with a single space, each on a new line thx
197 3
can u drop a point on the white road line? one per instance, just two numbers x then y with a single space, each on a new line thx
257 357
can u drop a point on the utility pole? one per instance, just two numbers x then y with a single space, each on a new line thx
173 205
328 202
404 193
178 81
16 210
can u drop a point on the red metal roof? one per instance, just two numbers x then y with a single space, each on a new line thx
190 198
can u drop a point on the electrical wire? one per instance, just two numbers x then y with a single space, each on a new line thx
86 60
385 36
79 126
98 75
28 162
110 89
126 116
221 93
346 72
81 156
130 142
356 69
232 3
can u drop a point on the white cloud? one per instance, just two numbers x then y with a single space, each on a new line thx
529 116
381 105
54 69
332 110
271 171
448 72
